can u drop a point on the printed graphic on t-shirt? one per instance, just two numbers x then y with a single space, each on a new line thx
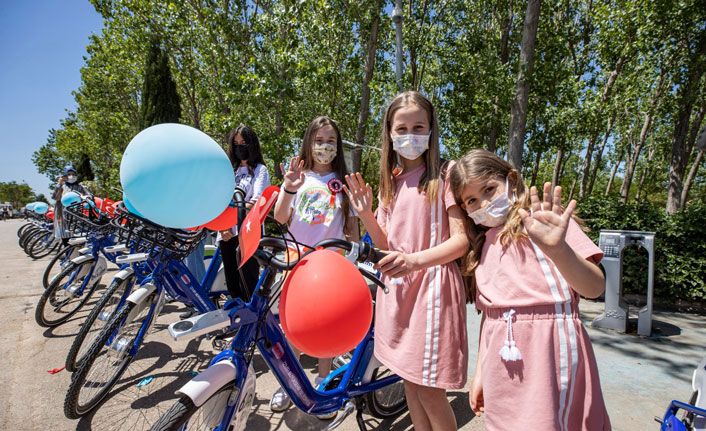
243 180
315 206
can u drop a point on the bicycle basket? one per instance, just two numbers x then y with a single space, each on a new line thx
158 241
82 221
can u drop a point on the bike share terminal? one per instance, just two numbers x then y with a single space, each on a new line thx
615 316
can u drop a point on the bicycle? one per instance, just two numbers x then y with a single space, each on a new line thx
221 397
694 418
118 343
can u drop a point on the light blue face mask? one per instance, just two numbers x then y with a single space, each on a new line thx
495 213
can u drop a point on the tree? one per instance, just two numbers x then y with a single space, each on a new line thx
518 120
17 194
160 101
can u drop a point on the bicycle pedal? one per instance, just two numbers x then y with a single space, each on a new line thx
348 408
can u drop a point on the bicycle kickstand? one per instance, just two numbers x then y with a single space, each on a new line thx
360 406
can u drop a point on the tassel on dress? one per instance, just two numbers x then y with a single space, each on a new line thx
509 352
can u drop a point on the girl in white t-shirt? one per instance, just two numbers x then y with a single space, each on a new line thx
313 204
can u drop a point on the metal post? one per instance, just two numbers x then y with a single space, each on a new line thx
397 19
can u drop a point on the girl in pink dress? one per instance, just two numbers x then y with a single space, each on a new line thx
420 325
530 261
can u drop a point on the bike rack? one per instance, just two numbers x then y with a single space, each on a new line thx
615 316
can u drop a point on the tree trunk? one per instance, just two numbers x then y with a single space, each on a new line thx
594 136
535 169
688 92
612 172
695 125
645 171
654 107
557 168
690 178
518 112
504 58
357 153
599 154
573 186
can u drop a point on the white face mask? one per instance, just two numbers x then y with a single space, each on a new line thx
410 147
71 179
495 213
323 153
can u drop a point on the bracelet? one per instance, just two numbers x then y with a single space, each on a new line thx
289 192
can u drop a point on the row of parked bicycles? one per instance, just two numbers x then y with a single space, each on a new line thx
151 273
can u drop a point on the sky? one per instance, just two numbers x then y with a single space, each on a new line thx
42 45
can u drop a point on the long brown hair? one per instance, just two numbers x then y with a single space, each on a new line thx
338 163
429 182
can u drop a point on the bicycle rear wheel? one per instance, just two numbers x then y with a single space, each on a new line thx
388 401
58 263
96 321
107 359
66 294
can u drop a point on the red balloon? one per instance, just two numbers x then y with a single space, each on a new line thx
325 308
50 215
227 219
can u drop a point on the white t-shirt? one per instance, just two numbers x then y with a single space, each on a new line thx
253 184
313 218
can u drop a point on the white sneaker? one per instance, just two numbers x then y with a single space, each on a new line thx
280 401
326 416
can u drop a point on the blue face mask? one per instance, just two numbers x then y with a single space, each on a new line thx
495 213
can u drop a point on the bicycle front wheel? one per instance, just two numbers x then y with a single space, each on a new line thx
107 359
97 320
58 262
388 401
206 417
66 294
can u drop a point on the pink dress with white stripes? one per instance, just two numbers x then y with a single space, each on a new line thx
420 326
555 384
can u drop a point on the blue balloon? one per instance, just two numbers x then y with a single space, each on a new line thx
129 207
176 176
30 206
41 208
70 198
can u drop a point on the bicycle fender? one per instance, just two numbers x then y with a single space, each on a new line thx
123 274
141 293
201 387
79 260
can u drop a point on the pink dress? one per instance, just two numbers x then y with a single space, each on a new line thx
420 326
555 384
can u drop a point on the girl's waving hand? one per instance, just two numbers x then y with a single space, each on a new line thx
546 224
294 175
359 192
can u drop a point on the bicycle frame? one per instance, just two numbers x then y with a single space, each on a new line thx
277 353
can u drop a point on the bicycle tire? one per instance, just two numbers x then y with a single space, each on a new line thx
96 321
23 228
27 235
42 246
184 409
83 378
386 402
66 251
57 297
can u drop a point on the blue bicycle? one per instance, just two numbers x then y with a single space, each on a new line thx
694 418
71 288
118 343
220 398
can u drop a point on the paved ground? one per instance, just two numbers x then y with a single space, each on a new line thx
639 375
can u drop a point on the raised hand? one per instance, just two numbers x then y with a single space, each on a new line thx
547 223
359 193
294 175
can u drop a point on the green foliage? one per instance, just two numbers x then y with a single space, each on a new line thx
160 101
680 245
17 194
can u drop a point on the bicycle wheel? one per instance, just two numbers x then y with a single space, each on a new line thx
42 245
206 417
107 358
96 321
58 263
388 401
27 235
63 298
23 228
